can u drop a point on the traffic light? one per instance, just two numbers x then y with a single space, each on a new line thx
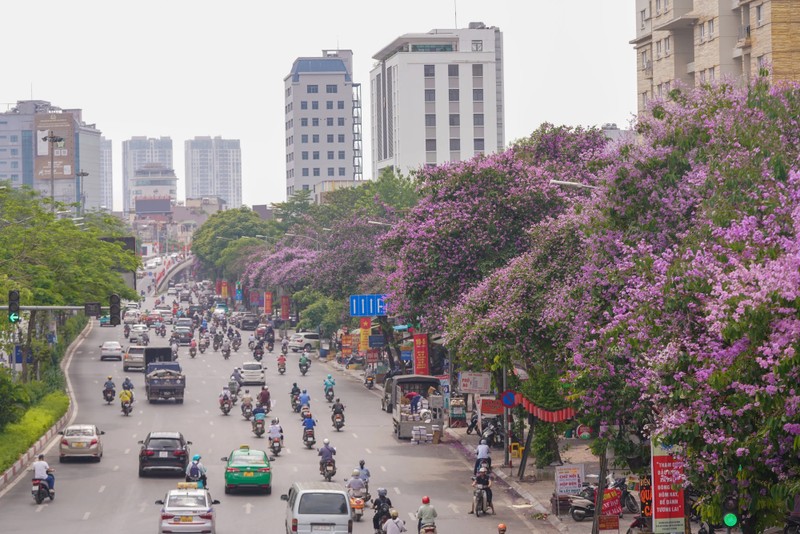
114 309
730 511
13 306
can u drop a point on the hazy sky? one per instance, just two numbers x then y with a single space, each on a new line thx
186 68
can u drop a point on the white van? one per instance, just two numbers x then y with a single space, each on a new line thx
323 504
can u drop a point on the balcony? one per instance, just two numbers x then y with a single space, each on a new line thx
744 37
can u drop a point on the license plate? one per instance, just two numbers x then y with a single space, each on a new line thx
321 528
186 519
35 489
163 454
79 445
248 473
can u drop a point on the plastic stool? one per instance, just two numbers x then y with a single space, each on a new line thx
516 452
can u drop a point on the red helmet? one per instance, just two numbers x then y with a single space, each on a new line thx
425 500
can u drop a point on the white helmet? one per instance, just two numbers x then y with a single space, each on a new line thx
356 472
326 441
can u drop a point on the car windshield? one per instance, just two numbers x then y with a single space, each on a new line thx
187 501
111 345
163 443
252 367
322 504
73 432
249 458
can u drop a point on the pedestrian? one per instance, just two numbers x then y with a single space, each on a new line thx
501 528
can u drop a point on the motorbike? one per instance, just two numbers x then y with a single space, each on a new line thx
329 394
203 345
296 403
126 331
236 344
258 427
217 345
493 434
275 445
251 345
192 352
473 423
126 408
627 499
308 438
480 506
369 382
428 529
41 491
247 411
338 422
270 346
356 505
108 395
285 349
225 406
281 368
174 352
226 353
329 470
303 411
303 369
640 524
258 353
162 331
580 508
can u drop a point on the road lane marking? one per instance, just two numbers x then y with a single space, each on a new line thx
453 507
116 468
101 490
127 451
39 507
212 436
368 451
355 435
211 423
197 401
411 515
206 412
139 423
247 507
383 469
134 436
86 515
294 468
397 490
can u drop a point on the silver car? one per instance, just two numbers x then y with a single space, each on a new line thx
111 350
252 373
80 441
187 509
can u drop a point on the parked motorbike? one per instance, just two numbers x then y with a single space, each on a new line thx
338 422
225 406
479 503
627 499
276 446
329 470
41 491
329 394
581 508
247 411
126 408
108 395
493 434
258 427
308 438
369 382
281 368
303 369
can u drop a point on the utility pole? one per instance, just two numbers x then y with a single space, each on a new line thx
82 191
52 139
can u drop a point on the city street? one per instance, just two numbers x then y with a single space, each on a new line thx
110 497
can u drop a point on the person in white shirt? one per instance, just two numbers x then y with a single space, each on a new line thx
40 472
275 431
481 454
355 485
394 525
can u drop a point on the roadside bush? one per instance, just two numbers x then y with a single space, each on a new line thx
18 437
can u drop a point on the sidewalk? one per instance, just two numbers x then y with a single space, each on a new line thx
535 494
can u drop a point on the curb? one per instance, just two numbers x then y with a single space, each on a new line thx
13 473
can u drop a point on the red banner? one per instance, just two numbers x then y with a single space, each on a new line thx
421 354
218 287
364 330
491 406
612 504
347 344
372 356
285 307
667 493
268 302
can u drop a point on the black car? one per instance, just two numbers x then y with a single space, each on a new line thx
164 451
249 322
184 334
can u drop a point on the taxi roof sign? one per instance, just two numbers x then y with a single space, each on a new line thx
245 447
187 485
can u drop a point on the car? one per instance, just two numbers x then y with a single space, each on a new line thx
131 305
131 316
249 321
153 317
167 316
164 451
133 358
185 335
80 441
136 332
304 341
187 509
186 296
105 320
111 350
172 291
250 373
247 468
184 321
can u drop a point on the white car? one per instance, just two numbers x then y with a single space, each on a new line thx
187 509
172 291
304 341
111 350
80 441
136 333
252 373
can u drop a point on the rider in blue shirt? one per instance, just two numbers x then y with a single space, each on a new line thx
308 423
305 398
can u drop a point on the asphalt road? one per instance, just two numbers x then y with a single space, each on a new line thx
110 497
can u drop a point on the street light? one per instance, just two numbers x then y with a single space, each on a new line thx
574 184
379 223
317 241
82 190
52 139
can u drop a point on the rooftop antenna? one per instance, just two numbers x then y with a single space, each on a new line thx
455 12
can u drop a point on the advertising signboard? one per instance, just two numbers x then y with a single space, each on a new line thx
347 344
478 383
268 306
372 356
612 502
365 329
421 365
569 478
489 406
62 125
608 522
285 308
646 496
668 514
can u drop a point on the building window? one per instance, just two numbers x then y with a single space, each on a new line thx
430 119
315 154
314 104
452 70
304 138
304 155
303 104
305 172
315 121
304 122
702 30
329 104
455 119
644 60
341 138
644 99
341 154
759 14
667 45
658 49
312 89
477 95
711 29
430 70
643 18
430 145
430 95
330 154
453 95
666 87
306 187
315 138
342 171
330 89
316 171
329 121
658 7
288 91
761 61
477 119
479 144
455 144
340 104
711 74
329 138
477 69
703 76
14 139
340 121
477 46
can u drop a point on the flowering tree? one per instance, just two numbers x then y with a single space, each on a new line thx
289 268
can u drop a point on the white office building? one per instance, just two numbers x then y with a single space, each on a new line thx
214 169
323 121
137 152
437 97
106 175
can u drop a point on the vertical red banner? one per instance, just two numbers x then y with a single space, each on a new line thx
224 291
285 307
365 329
421 366
268 302
218 287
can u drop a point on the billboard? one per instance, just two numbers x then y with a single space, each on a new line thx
63 126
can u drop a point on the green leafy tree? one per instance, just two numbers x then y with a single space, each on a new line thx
217 233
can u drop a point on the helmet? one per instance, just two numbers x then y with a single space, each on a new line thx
109 377
294 384
382 492
393 513
304 391
501 527
426 500
329 376
247 391
337 399
127 378
326 441
361 463
274 422
482 470
277 420
196 458
483 442
263 388
356 472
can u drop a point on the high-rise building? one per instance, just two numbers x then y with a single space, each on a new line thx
136 152
25 152
700 41
214 169
153 190
323 121
106 175
437 97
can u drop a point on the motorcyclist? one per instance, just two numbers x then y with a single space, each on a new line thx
355 486
226 345
426 514
251 341
309 423
275 431
484 480
305 398
247 399
326 453
174 346
196 471
363 472
233 385
193 344
125 396
381 505
109 386
482 452
285 345
225 396
295 390
328 383
230 332
144 337
264 397
337 407
43 471
282 360
126 330
304 360
259 414
127 385
394 525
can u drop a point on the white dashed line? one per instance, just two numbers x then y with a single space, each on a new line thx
355 435
39 507
368 451
294 468
383 469
211 423
86 515
116 468
397 490
101 490
127 451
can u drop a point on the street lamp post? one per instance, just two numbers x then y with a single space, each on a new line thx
317 241
82 191
573 184
52 139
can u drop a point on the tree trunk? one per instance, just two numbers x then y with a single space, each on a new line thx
389 340
601 488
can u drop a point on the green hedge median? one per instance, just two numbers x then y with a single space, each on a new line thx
17 438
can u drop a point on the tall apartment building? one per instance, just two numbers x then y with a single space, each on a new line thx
437 97
136 153
106 175
699 41
323 121
153 189
214 169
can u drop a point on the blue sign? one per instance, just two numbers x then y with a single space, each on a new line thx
508 398
18 355
376 342
367 305
239 296
405 355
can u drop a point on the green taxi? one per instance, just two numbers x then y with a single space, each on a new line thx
247 468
